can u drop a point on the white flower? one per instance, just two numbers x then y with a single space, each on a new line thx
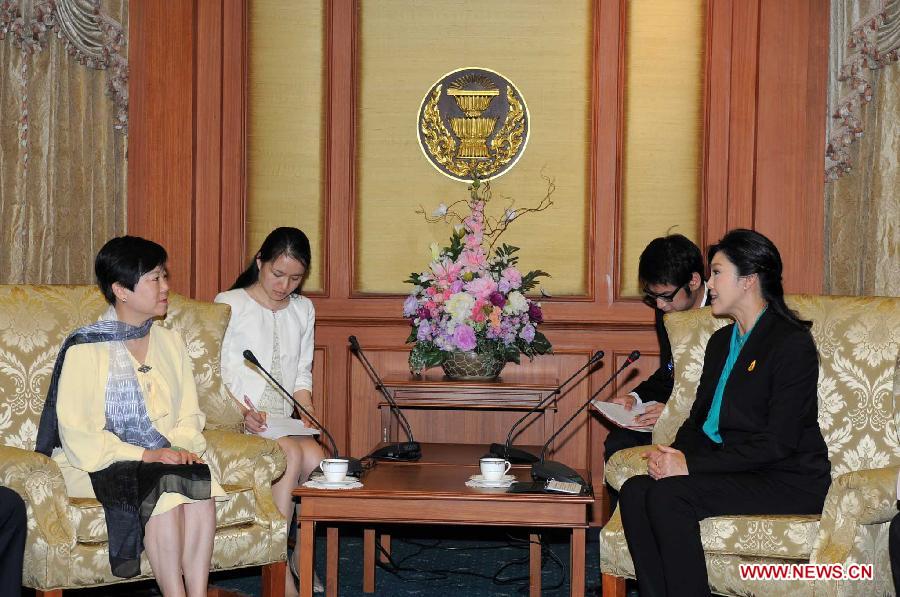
515 303
509 215
435 252
459 306
440 212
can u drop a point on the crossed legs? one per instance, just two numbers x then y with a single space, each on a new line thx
302 455
662 522
179 546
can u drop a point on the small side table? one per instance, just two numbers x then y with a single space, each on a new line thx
474 404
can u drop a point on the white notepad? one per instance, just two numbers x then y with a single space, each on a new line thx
621 417
281 426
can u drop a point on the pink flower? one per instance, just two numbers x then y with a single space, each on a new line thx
514 276
481 288
464 338
472 260
481 310
446 272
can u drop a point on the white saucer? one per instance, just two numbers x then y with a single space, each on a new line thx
321 482
501 483
504 480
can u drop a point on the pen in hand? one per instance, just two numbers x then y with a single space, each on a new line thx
258 417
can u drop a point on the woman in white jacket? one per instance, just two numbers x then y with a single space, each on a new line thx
271 318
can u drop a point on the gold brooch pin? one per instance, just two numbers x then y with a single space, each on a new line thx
752 365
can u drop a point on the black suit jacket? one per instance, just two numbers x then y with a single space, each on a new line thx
659 385
769 415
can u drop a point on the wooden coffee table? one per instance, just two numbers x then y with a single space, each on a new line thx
428 494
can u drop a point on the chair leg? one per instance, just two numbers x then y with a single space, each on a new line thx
612 586
273 579
50 593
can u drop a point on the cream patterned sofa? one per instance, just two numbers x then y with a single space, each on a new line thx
859 383
67 542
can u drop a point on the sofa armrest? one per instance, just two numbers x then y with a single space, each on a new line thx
249 460
40 483
856 498
625 464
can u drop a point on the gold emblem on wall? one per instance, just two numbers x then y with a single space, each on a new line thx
473 122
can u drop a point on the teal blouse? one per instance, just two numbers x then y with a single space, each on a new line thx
711 426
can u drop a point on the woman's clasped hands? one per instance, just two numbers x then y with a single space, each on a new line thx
171 456
663 461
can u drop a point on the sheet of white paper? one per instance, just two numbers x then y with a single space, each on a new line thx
621 417
281 426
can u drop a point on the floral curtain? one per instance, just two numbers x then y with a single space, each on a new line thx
862 163
63 123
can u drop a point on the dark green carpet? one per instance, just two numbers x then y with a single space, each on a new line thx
440 561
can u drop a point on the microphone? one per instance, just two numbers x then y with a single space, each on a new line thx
556 471
516 456
354 466
404 451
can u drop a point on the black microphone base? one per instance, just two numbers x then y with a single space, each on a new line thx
514 455
399 451
550 470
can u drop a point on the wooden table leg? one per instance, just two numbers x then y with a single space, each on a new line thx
368 560
534 565
576 563
331 561
273 579
305 556
386 548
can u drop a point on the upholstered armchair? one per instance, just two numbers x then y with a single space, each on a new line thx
859 381
67 541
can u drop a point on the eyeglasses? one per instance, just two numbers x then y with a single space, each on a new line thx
667 297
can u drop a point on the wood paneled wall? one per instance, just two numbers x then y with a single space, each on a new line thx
764 113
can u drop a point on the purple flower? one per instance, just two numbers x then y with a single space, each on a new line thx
423 313
464 337
497 299
535 313
424 332
527 333
456 286
409 306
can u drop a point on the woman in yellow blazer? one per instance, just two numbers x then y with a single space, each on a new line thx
122 421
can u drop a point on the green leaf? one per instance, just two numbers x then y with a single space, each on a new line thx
529 280
540 344
413 334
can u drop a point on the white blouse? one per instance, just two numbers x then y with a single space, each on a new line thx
254 326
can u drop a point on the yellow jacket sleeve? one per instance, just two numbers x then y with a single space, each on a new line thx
81 410
189 419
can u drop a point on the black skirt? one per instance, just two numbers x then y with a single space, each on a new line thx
129 491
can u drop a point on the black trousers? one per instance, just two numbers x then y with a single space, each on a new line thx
12 541
894 549
662 522
620 438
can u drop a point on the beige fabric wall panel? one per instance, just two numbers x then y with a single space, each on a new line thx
544 48
662 162
285 138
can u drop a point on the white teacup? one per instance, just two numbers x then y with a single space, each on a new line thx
493 469
334 469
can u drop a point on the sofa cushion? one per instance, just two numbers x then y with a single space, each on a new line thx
770 536
89 521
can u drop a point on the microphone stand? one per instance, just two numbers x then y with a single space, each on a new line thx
408 451
544 471
517 456
354 466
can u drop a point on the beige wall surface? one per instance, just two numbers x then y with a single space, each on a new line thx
544 48
662 163
285 137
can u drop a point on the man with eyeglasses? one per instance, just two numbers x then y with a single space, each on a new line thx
671 272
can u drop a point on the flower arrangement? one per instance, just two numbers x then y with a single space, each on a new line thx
472 297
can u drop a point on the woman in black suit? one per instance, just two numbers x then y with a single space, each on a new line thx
751 444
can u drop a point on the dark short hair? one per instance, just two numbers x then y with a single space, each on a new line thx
281 241
125 259
671 259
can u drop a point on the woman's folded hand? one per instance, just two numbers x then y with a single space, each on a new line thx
171 456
